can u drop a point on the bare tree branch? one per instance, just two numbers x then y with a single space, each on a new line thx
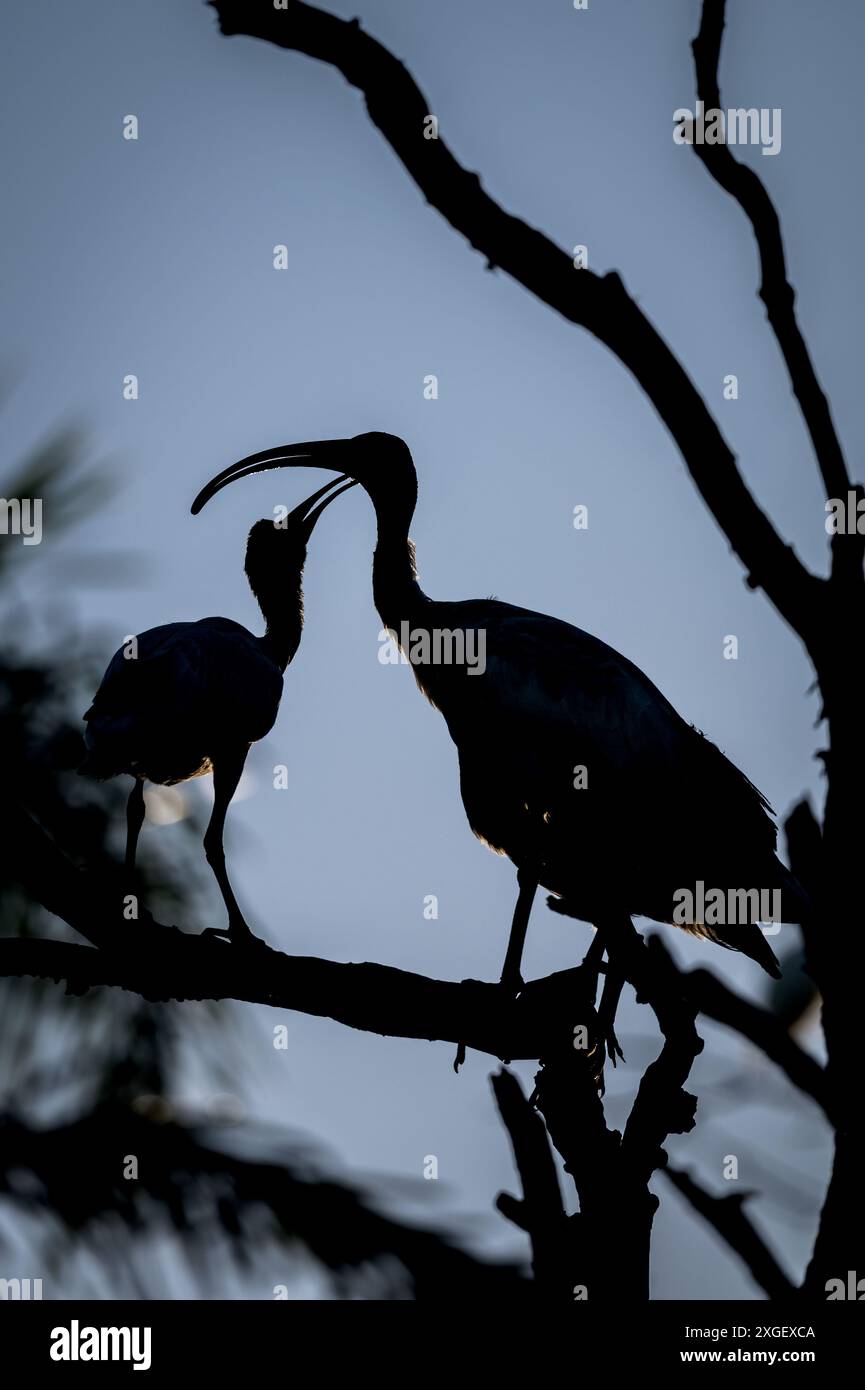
611 1172
540 1213
599 303
606 1244
662 1105
716 1000
776 292
164 963
837 858
726 1214
161 963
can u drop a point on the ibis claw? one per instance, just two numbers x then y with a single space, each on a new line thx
614 1050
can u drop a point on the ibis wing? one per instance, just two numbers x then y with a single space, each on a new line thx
552 681
558 699
208 674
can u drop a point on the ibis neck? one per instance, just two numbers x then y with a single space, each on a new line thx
283 616
396 592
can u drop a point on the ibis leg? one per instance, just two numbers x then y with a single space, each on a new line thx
627 946
592 960
528 886
134 821
610 996
511 977
227 769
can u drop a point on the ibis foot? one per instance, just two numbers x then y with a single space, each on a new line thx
513 982
614 1051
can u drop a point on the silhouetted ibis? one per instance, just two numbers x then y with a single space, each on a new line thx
658 810
187 699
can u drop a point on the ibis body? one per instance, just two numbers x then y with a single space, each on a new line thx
187 699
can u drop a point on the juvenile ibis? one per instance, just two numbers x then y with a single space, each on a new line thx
657 809
186 699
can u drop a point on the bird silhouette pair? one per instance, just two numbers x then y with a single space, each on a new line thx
657 808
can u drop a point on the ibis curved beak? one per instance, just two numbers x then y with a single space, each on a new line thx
317 453
304 518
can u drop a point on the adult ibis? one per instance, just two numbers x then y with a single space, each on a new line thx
572 763
186 699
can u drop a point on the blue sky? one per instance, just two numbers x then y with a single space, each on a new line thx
154 257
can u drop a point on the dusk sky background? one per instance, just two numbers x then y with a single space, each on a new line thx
155 257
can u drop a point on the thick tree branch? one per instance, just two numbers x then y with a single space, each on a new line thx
776 292
726 1214
611 1172
662 1106
161 963
600 304
540 1213
604 1243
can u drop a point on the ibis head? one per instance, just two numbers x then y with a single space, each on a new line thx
284 539
380 463
275 557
